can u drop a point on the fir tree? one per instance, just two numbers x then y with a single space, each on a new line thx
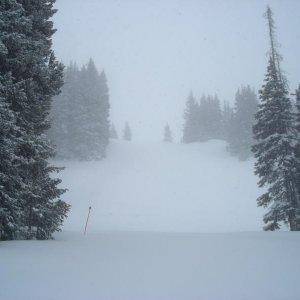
36 78
127 135
191 119
273 148
12 186
297 145
63 116
113 132
214 117
227 122
81 114
167 134
104 114
241 136
209 118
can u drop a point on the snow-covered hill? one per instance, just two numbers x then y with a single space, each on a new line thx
153 266
163 187
157 187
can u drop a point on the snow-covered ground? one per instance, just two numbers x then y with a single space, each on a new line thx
153 266
163 187
168 222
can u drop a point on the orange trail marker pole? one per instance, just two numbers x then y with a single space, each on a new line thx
87 220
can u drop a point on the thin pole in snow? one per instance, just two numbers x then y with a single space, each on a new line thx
87 220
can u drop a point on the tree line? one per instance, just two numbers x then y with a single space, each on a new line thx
80 114
205 119
269 129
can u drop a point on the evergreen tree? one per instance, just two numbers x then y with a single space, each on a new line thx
104 114
241 137
214 116
167 134
36 77
227 122
203 120
113 132
191 119
297 145
12 185
127 135
81 114
209 118
273 149
63 114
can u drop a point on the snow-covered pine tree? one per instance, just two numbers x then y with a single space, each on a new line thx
209 118
191 120
37 76
127 135
63 114
81 114
241 137
94 129
297 146
203 120
104 114
78 137
273 149
214 115
227 120
113 132
12 185
168 134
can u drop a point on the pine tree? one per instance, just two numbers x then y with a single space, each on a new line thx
113 132
36 78
241 137
191 119
81 114
12 186
214 116
227 122
209 118
203 120
297 147
167 134
104 114
273 148
127 135
63 114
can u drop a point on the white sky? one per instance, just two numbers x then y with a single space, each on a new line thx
155 51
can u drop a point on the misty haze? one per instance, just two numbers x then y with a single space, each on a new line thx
149 149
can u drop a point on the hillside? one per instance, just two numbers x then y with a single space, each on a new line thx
198 195
163 187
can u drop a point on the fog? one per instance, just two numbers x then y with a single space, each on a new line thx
155 52
149 149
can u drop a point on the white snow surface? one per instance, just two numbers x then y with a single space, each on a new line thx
163 187
168 222
152 266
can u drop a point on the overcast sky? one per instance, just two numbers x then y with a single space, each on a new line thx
155 51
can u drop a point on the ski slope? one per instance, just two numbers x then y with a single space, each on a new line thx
152 266
168 222
163 187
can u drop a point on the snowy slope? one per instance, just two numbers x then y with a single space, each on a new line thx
163 187
157 187
153 266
